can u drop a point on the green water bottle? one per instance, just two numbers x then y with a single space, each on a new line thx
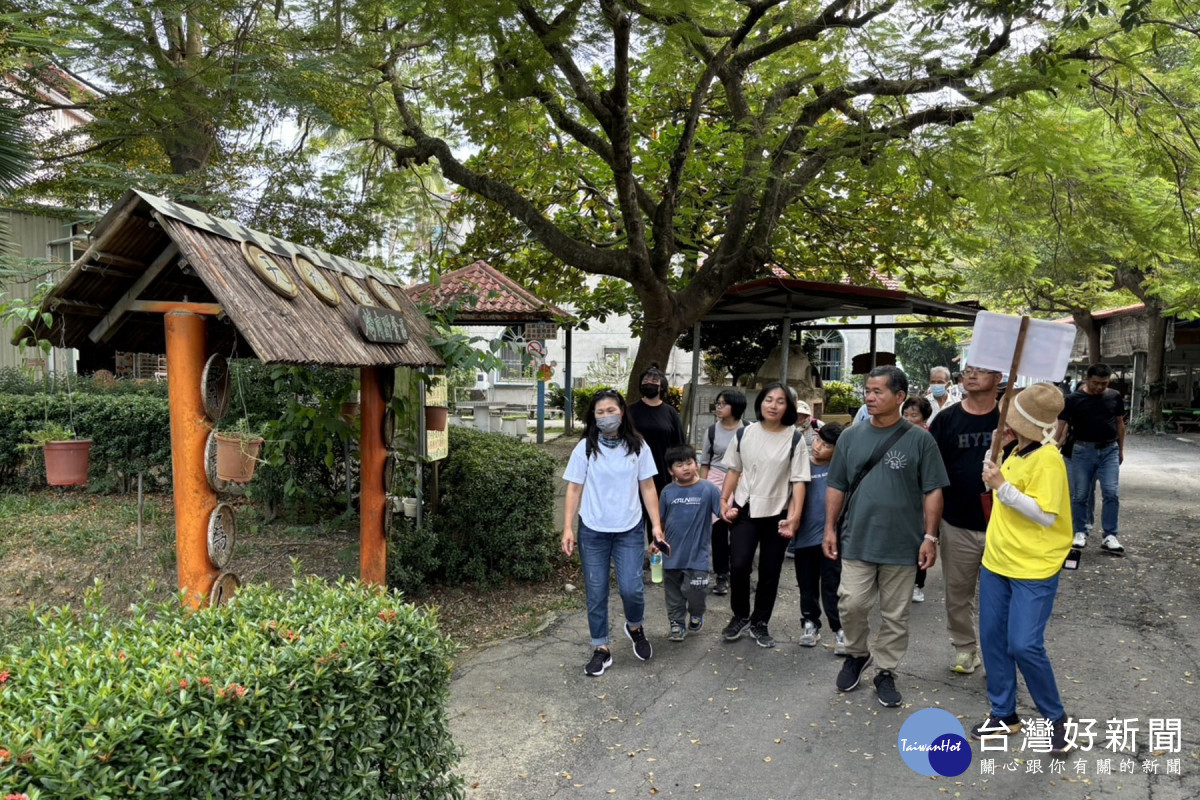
656 575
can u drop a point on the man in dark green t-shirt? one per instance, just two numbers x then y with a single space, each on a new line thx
891 528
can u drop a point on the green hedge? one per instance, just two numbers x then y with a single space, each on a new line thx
130 433
841 397
323 691
495 519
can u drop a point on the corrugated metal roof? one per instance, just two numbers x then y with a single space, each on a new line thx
204 264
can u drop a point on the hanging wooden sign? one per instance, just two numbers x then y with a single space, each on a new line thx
270 271
315 279
224 589
356 291
214 387
382 325
222 526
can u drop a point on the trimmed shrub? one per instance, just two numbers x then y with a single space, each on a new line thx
323 691
582 398
496 517
130 433
840 397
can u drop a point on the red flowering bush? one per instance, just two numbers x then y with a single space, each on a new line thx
224 703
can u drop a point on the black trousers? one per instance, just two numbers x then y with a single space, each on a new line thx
818 578
746 536
720 547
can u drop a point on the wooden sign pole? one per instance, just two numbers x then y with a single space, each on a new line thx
372 497
1009 391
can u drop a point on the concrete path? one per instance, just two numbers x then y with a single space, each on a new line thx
710 719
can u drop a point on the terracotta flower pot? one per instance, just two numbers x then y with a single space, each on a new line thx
436 418
67 462
237 456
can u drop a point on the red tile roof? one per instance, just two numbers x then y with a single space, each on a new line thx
486 295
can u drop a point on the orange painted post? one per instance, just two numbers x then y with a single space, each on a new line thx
372 497
194 498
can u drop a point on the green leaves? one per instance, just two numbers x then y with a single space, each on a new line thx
323 690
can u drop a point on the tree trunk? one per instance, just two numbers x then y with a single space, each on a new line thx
1156 373
1087 323
667 316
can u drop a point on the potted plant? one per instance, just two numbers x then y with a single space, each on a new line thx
237 452
66 456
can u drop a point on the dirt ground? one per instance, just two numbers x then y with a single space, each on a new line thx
57 544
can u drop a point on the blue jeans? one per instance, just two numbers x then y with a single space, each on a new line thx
597 551
1087 465
1012 634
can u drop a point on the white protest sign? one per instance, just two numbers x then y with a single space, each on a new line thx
1044 356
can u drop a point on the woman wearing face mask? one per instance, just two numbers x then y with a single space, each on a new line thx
657 422
762 499
609 478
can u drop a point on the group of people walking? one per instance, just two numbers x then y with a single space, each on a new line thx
862 510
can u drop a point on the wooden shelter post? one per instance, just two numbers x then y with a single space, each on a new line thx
194 498
373 497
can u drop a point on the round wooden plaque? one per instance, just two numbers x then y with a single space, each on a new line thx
222 526
224 589
214 387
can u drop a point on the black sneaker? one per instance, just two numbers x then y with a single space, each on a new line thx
997 726
852 669
695 624
1060 745
885 689
641 645
601 660
722 585
736 627
760 634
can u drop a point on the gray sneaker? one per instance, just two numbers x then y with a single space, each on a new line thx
677 633
810 635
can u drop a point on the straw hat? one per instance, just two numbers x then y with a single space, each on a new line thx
1034 412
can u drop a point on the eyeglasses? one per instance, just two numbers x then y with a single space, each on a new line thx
979 371
720 405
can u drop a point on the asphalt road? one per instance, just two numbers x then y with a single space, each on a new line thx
710 719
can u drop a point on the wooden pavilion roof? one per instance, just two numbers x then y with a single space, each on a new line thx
147 250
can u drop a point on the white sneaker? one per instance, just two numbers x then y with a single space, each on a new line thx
1111 546
839 643
918 594
1080 540
810 635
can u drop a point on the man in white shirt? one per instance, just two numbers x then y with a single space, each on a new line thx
940 396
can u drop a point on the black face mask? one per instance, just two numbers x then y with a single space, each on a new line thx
650 390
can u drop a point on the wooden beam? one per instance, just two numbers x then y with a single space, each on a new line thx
120 261
103 271
108 326
167 306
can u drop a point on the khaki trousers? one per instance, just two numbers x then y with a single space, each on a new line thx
961 557
863 585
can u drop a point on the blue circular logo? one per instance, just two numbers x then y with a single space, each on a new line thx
932 742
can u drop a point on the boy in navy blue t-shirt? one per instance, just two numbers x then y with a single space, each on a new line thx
817 575
687 507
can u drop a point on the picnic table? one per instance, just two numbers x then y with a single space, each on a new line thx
1184 419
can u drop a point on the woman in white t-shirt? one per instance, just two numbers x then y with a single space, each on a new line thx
762 498
609 478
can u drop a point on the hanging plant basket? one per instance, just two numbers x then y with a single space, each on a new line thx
67 462
237 456
436 418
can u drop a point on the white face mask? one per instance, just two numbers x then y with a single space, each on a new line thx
609 424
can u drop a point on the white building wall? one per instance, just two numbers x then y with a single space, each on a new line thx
589 346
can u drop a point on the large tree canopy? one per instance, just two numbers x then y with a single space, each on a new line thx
680 147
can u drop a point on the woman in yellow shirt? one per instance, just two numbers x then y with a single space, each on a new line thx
1028 536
